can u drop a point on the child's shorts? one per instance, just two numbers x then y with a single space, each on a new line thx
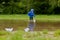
31 18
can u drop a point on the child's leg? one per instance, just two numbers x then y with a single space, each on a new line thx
31 18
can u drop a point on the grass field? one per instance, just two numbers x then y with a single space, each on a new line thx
36 35
42 21
37 17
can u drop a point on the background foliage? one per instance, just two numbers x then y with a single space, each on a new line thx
23 6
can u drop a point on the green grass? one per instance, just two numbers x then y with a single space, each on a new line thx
14 17
52 18
45 18
21 35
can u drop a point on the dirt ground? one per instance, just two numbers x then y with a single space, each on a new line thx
21 24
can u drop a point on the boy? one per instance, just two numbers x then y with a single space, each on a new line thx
31 14
31 21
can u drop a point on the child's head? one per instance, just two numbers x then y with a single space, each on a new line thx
32 9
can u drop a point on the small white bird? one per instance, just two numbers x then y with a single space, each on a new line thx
9 29
26 29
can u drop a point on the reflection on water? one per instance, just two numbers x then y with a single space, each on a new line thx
21 24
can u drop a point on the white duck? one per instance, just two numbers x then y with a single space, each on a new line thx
26 29
9 29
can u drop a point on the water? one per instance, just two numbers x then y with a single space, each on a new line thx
21 24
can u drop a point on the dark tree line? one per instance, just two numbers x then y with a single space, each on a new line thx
49 7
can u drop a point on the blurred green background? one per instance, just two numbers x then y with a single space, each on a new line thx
46 7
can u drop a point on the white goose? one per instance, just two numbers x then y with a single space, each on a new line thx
26 29
9 29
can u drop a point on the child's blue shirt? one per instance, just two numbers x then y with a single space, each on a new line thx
30 14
